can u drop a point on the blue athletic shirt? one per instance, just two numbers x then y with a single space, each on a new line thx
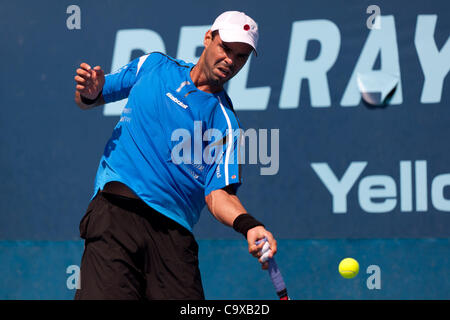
174 143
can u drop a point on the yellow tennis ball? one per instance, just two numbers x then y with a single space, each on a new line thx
348 268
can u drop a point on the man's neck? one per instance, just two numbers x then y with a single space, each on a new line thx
202 82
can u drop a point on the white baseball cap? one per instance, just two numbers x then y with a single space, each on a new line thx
235 26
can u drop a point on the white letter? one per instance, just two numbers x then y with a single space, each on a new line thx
212 150
73 281
273 160
437 192
421 186
435 64
191 38
374 281
339 189
380 41
73 21
252 146
265 309
373 22
377 187
405 186
126 42
183 146
247 98
198 142
315 71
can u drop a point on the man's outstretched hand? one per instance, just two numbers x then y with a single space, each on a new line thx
89 80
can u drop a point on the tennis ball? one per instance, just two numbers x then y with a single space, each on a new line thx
348 268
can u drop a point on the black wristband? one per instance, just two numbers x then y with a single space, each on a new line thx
90 101
245 222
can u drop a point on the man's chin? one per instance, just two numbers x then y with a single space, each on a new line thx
224 78
219 81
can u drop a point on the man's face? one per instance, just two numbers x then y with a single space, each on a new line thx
223 60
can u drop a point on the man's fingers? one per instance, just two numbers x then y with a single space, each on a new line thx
83 73
272 244
97 74
93 75
80 87
257 253
255 248
98 71
80 80
262 250
85 66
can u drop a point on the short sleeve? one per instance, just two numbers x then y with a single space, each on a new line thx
224 168
119 83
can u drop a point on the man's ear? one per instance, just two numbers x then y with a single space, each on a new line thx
208 38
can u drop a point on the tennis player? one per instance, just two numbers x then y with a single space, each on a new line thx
138 225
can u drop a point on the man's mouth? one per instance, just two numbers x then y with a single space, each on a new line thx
225 72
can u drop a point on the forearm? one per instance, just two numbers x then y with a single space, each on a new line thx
225 206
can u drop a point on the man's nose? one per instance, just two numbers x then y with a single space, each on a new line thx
229 61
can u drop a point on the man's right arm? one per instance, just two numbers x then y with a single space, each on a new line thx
226 207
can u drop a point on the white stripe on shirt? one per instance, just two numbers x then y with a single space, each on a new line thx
229 144
141 62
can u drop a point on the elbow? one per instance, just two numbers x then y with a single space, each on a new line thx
209 201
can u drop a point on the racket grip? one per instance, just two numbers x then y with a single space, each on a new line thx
277 280
276 277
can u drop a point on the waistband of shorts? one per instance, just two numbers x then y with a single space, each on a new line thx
139 207
129 204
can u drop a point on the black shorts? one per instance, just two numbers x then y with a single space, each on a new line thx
134 252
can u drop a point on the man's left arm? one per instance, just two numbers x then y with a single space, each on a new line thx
226 207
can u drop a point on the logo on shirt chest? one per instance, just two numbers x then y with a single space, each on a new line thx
178 102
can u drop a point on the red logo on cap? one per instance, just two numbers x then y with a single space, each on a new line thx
246 27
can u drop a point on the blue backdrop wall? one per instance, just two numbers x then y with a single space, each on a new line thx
340 177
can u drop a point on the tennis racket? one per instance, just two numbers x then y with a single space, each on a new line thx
274 271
